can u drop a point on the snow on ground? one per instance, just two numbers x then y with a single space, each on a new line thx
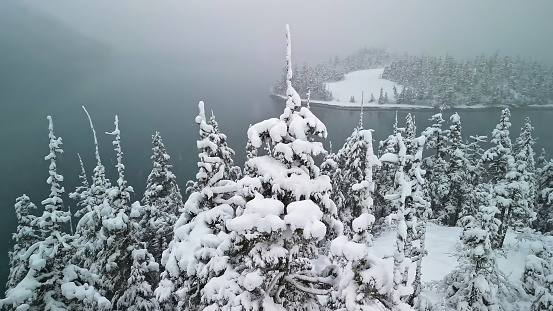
515 252
441 259
440 244
362 81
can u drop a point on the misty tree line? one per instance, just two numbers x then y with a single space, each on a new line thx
487 80
437 81
312 78
285 232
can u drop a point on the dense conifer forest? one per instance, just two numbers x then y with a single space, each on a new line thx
488 81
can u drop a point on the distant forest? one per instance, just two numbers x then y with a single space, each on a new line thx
436 81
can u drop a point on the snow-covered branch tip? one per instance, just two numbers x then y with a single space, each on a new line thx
201 114
97 152
288 54
294 99
50 124
115 132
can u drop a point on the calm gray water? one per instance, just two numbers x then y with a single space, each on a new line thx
149 93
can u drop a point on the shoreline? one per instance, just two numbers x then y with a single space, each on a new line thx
318 104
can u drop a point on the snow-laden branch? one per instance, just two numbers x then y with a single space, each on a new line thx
310 290
97 152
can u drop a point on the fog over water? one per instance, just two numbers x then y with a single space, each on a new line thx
150 63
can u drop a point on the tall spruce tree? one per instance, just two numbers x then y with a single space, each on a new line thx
525 185
198 250
362 281
398 196
88 230
544 200
224 152
361 225
27 234
354 161
504 178
82 192
385 175
477 283
124 265
436 166
52 281
480 187
458 203
162 201
417 220
288 214
537 266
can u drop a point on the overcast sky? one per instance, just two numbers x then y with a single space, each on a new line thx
252 29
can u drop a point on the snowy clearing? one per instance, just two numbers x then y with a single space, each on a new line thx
363 81
367 82
441 259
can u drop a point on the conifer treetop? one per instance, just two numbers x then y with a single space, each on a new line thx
53 205
294 100
97 152
121 181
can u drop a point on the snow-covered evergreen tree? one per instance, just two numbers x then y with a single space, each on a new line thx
26 235
477 283
537 276
52 282
402 190
122 255
474 154
504 178
113 260
213 145
88 231
82 192
381 98
417 219
544 200
354 162
436 166
363 282
409 132
251 152
525 185
288 214
196 252
331 167
385 175
54 217
362 224
224 152
541 162
458 203
138 293
477 177
537 267
544 299
162 201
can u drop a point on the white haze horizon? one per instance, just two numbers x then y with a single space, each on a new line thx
232 31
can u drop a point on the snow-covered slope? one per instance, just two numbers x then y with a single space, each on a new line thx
362 81
441 259
440 244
